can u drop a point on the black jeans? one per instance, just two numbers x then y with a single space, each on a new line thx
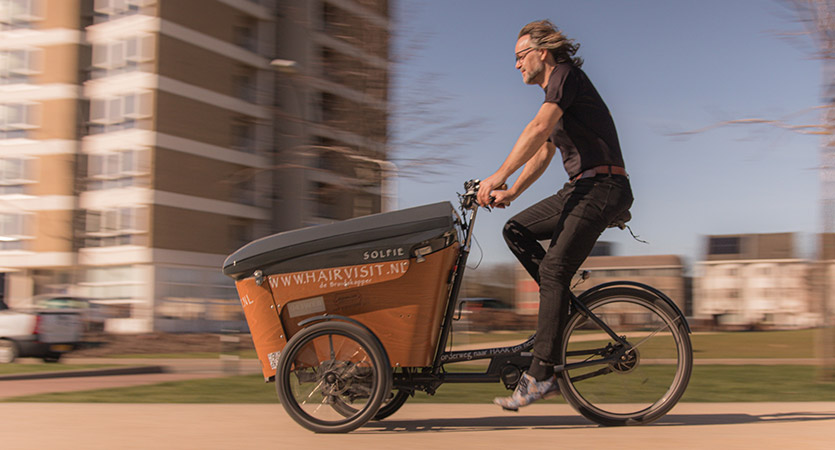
572 220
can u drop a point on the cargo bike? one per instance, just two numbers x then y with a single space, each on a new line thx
353 318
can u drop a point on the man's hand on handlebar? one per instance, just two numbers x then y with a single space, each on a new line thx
501 197
492 192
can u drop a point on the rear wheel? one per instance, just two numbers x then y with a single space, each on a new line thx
651 371
332 377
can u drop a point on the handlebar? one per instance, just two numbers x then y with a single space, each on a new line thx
468 198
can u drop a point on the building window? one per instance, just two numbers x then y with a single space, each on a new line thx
245 85
17 66
244 192
246 34
14 230
240 233
119 113
16 14
194 294
124 168
326 198
724 245
118 286
363 205
104 10
125 55
15 174
17 119
116 226
243 136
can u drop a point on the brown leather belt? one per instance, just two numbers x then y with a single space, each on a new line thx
599 170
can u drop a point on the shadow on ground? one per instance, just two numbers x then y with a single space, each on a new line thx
504 423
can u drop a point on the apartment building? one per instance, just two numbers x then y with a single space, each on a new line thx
184 144
43 57
755 279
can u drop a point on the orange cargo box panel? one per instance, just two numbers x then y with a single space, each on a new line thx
388 271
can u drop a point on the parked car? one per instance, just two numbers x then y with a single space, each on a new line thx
39 332
92 314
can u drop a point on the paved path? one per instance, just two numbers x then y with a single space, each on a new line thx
176 370
417 426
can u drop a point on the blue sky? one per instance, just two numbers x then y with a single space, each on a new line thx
662 67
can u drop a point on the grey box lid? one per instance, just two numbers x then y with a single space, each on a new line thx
421 222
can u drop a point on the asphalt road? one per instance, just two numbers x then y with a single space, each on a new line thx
418 426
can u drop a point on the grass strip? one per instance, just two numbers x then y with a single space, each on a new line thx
738 344
18 368
746 344
708 384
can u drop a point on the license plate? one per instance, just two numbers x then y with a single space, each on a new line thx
60 348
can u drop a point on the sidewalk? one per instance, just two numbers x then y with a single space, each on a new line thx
415 426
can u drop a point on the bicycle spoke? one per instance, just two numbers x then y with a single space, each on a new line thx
646 338
641 383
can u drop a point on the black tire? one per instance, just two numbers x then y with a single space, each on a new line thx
392 405
654 371
8 351
333 363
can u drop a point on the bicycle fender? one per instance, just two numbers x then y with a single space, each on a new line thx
644 287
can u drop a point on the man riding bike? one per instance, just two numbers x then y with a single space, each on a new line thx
573 118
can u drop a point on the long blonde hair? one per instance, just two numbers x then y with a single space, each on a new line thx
544 34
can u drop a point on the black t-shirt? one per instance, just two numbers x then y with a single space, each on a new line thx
585 134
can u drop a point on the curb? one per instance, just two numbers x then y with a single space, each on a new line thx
134 370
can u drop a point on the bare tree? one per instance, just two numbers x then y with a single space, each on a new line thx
817 18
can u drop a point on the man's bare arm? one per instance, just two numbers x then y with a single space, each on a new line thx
529 143
534 168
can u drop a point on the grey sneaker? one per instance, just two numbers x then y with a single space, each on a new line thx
528 391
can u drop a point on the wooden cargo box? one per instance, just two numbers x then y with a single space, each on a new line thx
389 271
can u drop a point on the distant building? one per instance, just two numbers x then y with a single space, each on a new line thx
754 279
664 272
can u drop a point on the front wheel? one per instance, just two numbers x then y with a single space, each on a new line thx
645 377
332 377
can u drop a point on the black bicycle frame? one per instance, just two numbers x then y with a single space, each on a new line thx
446 357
